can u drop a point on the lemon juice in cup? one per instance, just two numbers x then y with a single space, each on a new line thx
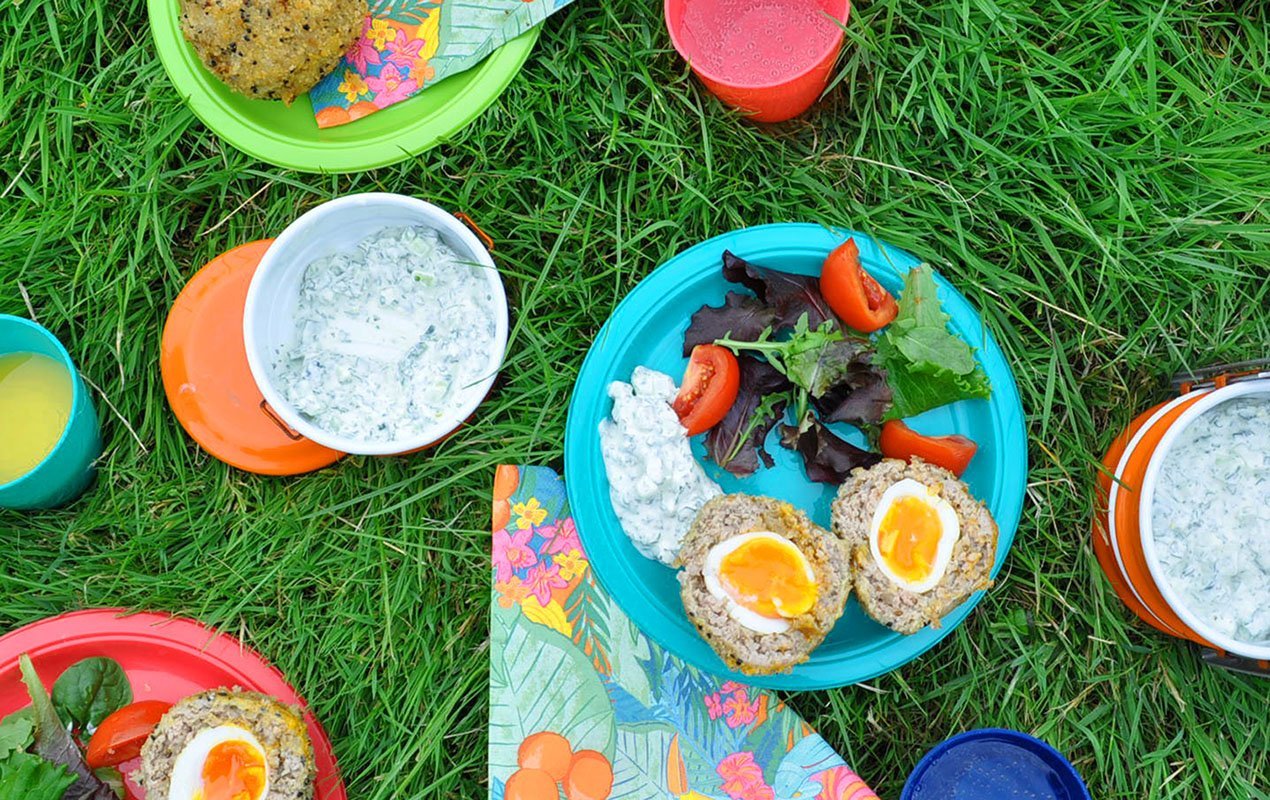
48 428
35 405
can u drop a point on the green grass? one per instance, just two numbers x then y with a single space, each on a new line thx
1094 175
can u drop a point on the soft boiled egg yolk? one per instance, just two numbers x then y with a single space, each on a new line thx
222 763
764 579
912 535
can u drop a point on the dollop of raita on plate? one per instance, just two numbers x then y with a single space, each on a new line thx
1211 517
655 484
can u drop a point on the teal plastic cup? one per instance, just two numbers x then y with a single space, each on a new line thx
67 470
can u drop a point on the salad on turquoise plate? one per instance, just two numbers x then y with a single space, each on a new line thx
648 328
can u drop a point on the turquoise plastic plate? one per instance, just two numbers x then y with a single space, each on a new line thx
288 136
647 328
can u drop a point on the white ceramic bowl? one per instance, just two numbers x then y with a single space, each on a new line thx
268 317
1197 623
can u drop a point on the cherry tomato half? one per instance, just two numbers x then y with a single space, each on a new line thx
953 453
857 299
120 735
709 388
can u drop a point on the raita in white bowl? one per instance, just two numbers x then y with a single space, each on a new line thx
1205 517
375 324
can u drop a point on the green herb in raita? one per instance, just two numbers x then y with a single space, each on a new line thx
389 336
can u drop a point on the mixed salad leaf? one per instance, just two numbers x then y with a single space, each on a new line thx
89 690
39 758
736 443
742 316
32 778
788 294
828 457
797 356
17 732
927 365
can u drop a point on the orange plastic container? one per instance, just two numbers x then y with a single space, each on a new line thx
1104 551
768 58
1117 532
208 379
1123 516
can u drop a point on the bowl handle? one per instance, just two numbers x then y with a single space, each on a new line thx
290 432
485 238
1221 374
1234 663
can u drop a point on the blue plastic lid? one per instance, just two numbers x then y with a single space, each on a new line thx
994 764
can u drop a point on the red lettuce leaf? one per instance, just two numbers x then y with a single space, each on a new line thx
827 457
855 390
736 443
790 295
54 743
740 317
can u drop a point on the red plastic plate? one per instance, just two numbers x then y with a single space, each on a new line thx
165 657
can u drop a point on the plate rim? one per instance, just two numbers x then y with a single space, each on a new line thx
120 624
1017 459
189 79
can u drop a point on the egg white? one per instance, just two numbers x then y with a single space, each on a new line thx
187 770
714 561
949 525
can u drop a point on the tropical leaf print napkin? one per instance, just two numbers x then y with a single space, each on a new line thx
569 673
408 45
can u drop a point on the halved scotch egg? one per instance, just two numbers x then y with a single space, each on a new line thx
761 582
911 535
920 543
229 745
764 579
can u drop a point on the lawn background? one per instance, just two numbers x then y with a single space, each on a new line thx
1094 175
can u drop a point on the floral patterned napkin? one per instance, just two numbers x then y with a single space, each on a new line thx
408 45
565 660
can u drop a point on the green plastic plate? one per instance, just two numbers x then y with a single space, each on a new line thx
289 136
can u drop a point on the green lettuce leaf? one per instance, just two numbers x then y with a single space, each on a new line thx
17 733
32 778
926 364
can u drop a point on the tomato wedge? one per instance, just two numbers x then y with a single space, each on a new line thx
953 453
120 735
852 293
709 388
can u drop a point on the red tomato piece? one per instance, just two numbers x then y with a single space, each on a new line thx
853 294
120 735
953 453
709 388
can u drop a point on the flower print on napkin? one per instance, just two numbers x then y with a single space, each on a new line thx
408 45
566 663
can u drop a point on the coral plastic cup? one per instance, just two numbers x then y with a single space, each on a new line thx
768 58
